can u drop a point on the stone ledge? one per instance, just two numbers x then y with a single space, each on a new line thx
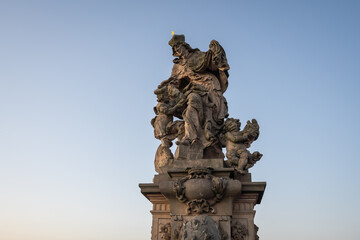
247 188
149 188
218 172
254 187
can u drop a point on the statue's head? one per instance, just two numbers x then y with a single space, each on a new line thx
232 124
175 39
180 47
162 94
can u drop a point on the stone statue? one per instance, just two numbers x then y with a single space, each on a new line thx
169 100
203 79
193 95
197 194
237 143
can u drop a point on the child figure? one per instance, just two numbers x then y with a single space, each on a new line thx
164 113
165 129
170 102
237 143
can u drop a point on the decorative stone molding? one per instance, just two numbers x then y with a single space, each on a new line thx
199 206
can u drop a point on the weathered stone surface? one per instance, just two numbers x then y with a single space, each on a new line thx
194 151
201 227
196 194
237 143
237 205
165 231
193 95
204 163
239 231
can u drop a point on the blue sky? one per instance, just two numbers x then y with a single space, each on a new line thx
76 99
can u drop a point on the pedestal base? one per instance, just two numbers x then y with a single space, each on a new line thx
217 195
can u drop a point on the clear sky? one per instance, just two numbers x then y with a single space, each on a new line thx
76 99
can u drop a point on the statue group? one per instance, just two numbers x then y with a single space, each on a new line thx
193 95
197 193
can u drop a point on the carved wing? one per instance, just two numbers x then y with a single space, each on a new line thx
252 129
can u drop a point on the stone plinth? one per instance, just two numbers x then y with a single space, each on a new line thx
192 189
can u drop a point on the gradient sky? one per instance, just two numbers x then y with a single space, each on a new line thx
76 100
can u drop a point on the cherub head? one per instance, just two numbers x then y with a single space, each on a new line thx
252 129
232 124
162 94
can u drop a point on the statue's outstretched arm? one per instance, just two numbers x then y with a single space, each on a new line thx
237 138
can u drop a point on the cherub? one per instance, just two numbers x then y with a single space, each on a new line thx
165 129
164 113
170 102
237 143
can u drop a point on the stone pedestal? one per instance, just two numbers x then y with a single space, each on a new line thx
197 197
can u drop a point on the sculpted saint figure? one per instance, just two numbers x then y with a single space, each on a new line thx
202 78
193 96
169 100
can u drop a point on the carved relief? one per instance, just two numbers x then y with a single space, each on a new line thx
177 226
223 233
238 231
178 232
219 185
165 231
201 227
200 190
199 206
